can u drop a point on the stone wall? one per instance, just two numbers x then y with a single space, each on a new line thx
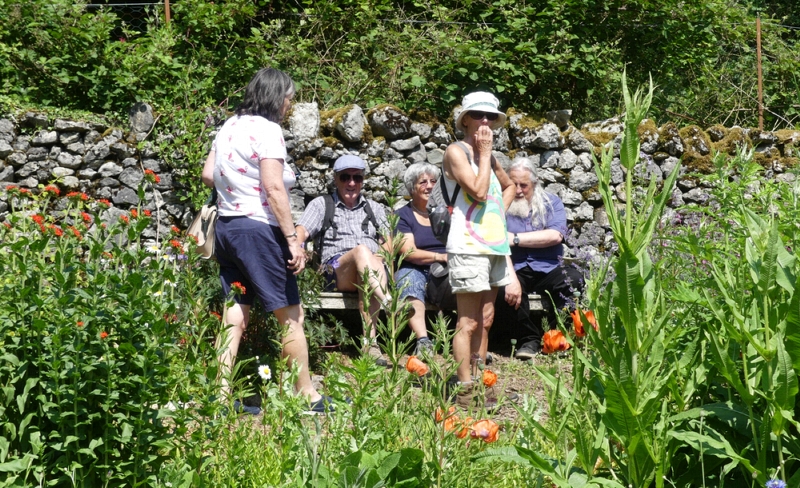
105 162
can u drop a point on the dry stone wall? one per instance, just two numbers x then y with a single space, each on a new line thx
106 162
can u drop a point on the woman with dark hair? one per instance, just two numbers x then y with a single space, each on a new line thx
256 243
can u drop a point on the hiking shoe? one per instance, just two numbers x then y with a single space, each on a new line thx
239 407
469 397
321 407
375 353
489 358
424 348
529 350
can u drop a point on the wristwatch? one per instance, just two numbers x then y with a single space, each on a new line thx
516 239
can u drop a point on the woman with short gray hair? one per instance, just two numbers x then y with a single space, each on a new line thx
423 248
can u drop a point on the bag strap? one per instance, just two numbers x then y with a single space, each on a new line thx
370 218
212 199
327 223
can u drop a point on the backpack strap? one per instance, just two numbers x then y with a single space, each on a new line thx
327 223
370 218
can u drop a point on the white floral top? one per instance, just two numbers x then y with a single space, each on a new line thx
240 145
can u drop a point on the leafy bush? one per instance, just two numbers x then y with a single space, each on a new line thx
97 338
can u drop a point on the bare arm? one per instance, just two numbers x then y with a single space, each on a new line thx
208 170
538 238
457 167
271 176
419 256
513 290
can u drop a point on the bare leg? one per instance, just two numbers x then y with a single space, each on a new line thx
473 309
349 274
417 319
234 321
488 320
295 348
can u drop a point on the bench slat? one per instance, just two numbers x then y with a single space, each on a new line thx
335 300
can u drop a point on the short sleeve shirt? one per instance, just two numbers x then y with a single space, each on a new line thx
347 231
423 235
240 146
544 259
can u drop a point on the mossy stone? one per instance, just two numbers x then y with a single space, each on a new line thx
733 141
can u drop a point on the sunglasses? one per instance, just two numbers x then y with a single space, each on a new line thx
346 177
480 115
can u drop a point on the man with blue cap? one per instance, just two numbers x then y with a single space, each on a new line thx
351 235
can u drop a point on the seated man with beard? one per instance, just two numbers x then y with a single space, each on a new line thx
537 225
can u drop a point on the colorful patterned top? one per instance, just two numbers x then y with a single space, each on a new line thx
477 227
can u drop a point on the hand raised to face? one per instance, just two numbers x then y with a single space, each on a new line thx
483 139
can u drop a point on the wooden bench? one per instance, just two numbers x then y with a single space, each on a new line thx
336 300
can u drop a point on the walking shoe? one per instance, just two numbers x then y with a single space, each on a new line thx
528 350
489 358
469 397
239 407
424 348
321 407
376 354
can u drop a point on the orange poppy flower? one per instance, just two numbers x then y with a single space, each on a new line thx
451 422
414 365
489 378
466 425
578 323
553 341
439 415
485 429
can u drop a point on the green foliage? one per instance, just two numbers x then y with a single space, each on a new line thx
536 55
98 340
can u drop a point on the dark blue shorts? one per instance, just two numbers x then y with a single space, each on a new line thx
255 254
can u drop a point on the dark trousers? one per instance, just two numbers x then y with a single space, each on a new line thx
556 289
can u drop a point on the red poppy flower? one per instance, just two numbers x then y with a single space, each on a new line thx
417 367
465 427
553 341
439 414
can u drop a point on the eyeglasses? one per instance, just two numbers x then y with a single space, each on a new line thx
346 177
426 182
480 115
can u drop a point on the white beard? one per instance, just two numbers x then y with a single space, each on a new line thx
520 207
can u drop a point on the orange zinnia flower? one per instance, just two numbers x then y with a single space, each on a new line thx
578 323
489 378
485 429
414 365
553 341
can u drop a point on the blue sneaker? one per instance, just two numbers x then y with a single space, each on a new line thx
238 407
321 407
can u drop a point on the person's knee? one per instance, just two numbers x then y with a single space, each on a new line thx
467 324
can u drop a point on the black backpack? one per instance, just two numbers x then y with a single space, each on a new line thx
327 223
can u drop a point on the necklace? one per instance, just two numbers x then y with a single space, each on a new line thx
424 214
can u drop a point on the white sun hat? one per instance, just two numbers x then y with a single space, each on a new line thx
481 102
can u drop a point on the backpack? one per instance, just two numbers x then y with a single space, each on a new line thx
327 223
